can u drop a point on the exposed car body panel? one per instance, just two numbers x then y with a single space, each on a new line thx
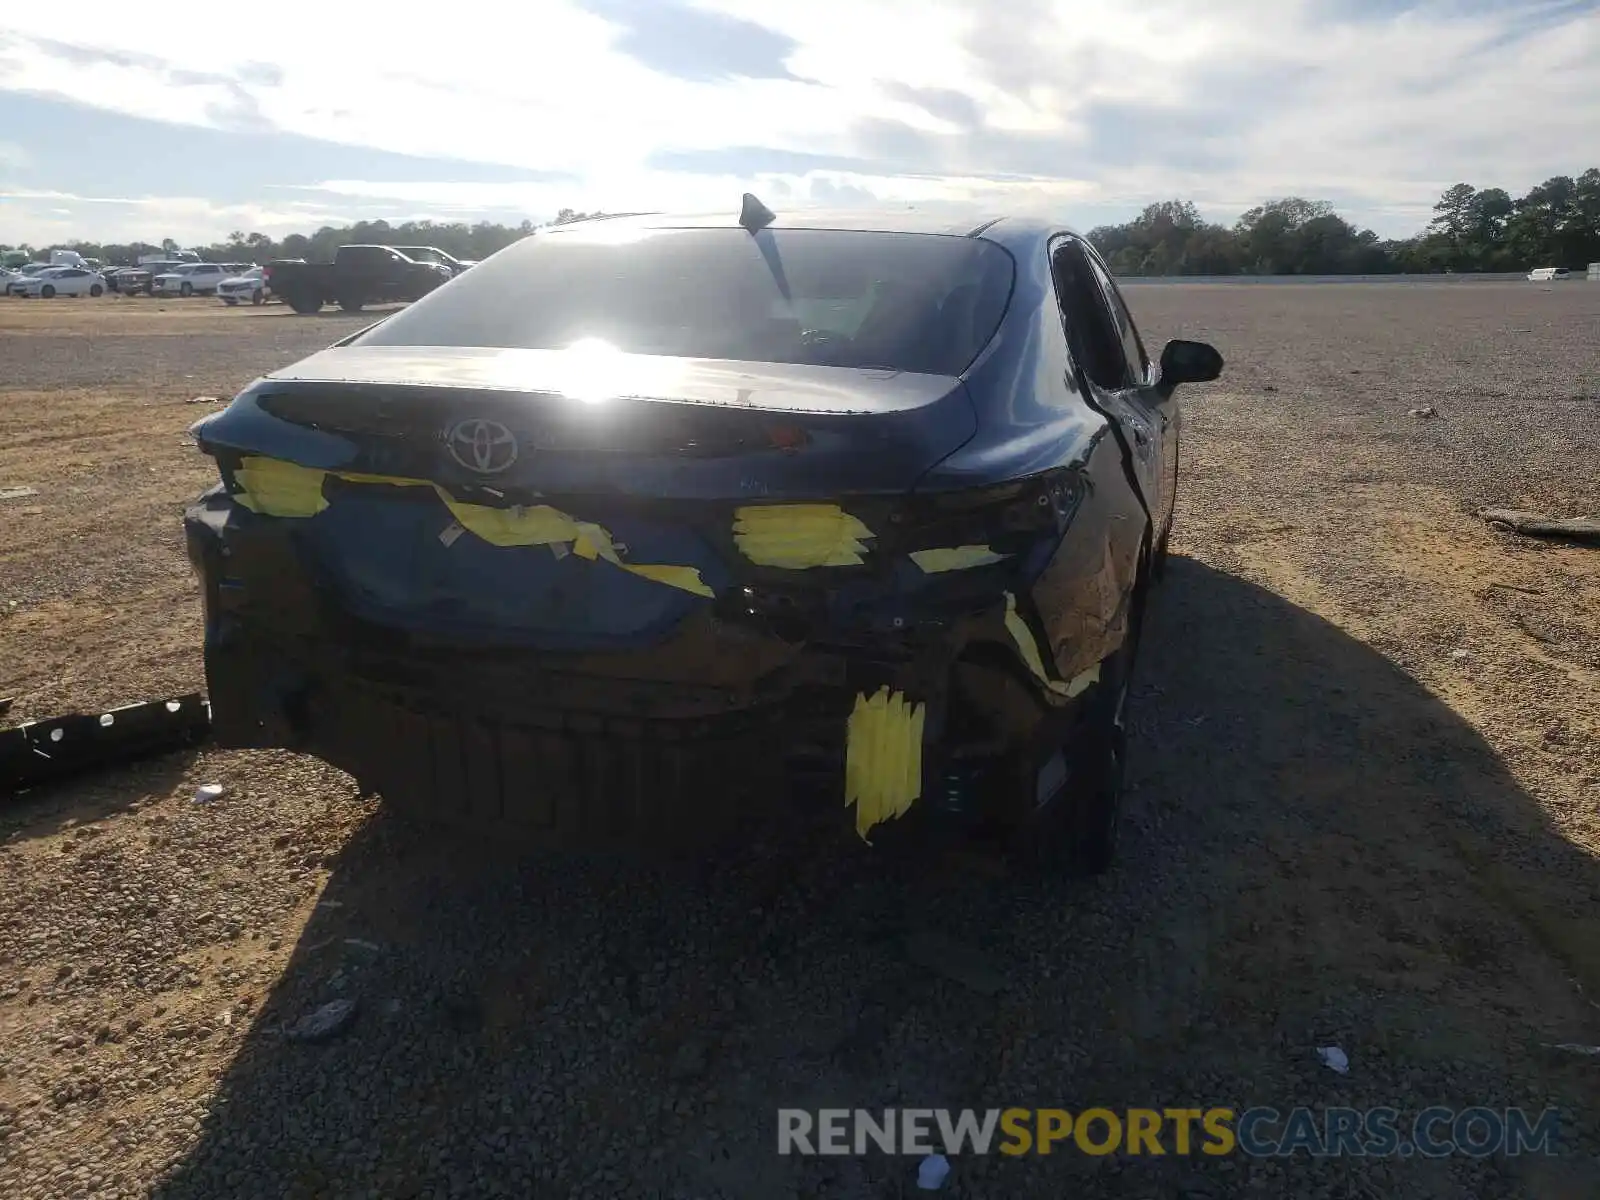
573 620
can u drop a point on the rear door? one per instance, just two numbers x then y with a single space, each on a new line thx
1161 408
1118 385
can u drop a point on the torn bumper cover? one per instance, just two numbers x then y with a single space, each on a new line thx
44 751
613 675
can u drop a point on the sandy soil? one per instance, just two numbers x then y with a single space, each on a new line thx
1366 812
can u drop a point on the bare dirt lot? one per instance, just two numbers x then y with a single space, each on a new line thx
1366 814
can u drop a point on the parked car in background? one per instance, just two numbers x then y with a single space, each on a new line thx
24 273
432 254
127 280
249 286
165 257
1548 274
62 281
636 507
191 279
131 281
357 276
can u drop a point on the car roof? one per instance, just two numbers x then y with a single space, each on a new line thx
1015 232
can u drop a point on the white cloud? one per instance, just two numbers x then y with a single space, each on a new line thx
1228 101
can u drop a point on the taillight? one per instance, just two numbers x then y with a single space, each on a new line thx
1009 519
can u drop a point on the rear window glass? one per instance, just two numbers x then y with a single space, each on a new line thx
898 301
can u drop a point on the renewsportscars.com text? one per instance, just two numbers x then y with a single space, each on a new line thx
1258 1132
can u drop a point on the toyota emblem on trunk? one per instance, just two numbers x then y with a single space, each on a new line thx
487 447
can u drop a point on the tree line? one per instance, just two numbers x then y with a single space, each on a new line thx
1556 224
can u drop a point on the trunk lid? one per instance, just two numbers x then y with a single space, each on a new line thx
636 425
618 513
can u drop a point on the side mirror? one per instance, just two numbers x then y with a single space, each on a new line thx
1189 362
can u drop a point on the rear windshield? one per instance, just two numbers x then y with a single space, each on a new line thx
898 301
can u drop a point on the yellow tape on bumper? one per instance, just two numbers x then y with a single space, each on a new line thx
883 758
955 558
1028 647
799 536
275 488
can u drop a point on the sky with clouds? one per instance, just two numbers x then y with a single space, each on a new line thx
119 123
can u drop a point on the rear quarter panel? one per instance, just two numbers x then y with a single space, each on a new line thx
1032 417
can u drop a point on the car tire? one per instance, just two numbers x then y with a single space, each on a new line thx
257 297
1075 832
185 290
304 305
47 292
1158 560
96 291
351 304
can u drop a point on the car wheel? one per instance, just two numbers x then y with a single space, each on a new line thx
304 305
351 304
97 290
1158 560
1075 830
185 290
256 297
47 292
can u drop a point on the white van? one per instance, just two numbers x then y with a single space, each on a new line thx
1548 274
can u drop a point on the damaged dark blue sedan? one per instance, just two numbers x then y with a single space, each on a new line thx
595 539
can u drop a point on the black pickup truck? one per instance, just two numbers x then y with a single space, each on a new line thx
357 276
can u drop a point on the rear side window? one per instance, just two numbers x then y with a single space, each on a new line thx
1092 332
897 301
1127 331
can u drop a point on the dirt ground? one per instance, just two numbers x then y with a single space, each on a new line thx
1365 813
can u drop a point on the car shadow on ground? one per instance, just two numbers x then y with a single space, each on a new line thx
51 808
1319 853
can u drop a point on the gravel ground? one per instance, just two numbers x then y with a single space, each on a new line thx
1365 813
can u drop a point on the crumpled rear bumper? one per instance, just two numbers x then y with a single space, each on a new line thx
673 742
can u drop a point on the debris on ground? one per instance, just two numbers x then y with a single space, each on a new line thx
37 751
932 1172
204 400
332 1019
1517 587
208 792
1334 1059
1427 410
17 493
1530 524
962 964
